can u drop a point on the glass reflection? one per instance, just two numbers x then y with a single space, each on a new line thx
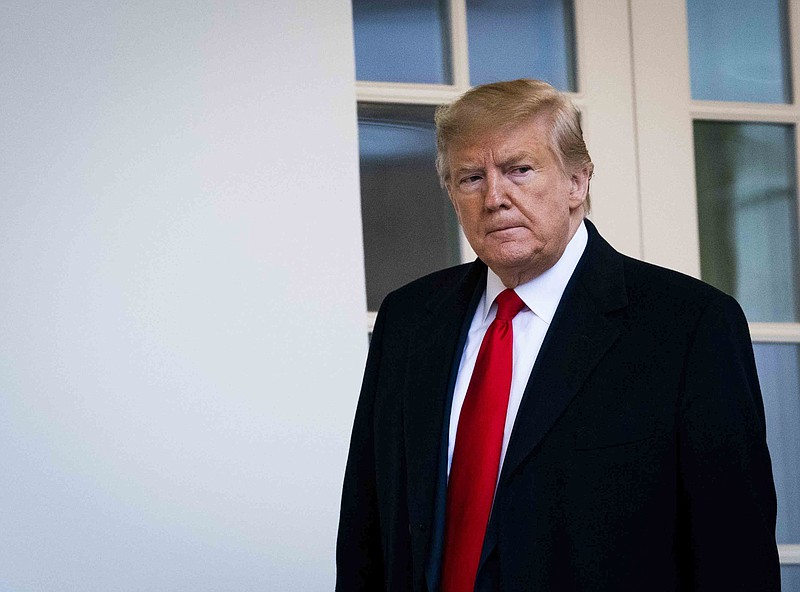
739 50
410 228
511 39
401 41
790 578
747 210
779 374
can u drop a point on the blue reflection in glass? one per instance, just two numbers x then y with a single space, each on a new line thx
779 374
401 41
511 39
738 50
409 226
747 210
790 578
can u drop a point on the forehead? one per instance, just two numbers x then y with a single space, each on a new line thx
531 136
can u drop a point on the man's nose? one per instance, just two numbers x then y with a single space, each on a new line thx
495 196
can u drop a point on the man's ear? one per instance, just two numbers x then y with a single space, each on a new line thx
579 187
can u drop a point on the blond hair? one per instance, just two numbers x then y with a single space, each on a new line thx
500 104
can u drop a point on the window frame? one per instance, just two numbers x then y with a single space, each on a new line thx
604 96
633 79
666 168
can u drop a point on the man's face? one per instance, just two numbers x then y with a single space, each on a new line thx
517 207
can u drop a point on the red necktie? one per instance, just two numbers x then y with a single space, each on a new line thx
479 442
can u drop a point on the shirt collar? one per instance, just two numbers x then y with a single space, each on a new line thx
543 293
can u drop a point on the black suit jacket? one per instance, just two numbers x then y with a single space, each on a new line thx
638 459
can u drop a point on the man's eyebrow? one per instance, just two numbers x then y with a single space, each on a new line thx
513 158
516 158
467 167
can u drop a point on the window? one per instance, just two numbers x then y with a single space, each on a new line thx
410 229
412 55
718 170
691 113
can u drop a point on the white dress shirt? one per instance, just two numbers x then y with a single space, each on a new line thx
541 296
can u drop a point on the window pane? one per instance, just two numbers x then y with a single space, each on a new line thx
738 50
401 41
779 374
409 225
511 39
790 578
747 209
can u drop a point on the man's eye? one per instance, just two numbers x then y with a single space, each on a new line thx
471 179
522 169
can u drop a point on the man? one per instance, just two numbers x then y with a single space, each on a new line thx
554 416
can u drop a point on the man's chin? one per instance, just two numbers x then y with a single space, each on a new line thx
508 262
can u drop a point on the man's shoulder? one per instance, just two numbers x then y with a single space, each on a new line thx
646 285
672 291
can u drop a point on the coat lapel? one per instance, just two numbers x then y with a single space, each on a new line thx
577 339
437 343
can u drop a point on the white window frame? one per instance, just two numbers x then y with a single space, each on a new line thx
605 97
665 114
634 93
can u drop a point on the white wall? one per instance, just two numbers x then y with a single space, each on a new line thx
182 302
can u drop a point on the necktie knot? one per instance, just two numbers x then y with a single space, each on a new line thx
508 305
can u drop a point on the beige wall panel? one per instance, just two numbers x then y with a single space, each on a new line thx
666 152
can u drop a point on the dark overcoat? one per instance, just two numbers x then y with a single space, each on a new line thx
638 459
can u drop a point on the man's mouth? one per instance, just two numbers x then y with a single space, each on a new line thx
505 228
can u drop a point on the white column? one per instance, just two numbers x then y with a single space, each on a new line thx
182 303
